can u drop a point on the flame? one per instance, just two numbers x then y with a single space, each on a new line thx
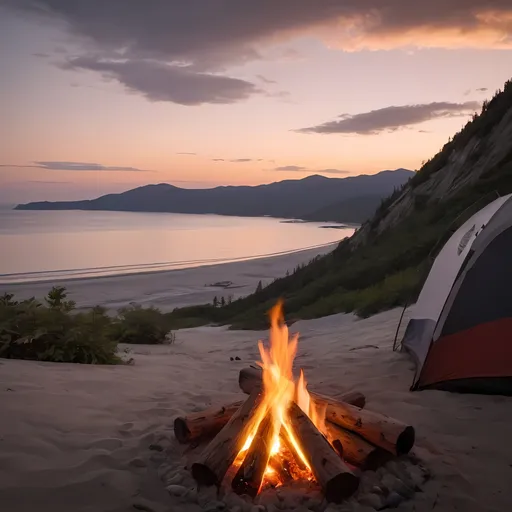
279 390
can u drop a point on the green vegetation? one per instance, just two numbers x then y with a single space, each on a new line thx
386 268
55 331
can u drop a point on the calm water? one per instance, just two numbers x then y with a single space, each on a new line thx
42 245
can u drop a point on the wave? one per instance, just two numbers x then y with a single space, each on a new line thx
109 271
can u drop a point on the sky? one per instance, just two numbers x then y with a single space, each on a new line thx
102 96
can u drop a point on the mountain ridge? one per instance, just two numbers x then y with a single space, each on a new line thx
282 199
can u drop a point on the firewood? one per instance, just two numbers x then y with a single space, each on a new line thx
336 479
250 473
356 450
251 378
222 450
205 424
387 433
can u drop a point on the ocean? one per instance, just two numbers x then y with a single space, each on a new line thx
50 245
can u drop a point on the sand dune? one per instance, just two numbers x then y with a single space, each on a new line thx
87 438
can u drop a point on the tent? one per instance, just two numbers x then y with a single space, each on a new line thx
460 332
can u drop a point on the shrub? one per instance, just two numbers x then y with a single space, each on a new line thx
30 330
135 324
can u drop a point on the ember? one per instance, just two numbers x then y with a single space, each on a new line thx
282 433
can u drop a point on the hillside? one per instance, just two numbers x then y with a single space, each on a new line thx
384 264
355 210
286 199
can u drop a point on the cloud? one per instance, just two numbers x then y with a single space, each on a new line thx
290 168
299 168
478 90
218 159
75 166
265 80
241 160
159 81
393 118
40 55
186 153
219 32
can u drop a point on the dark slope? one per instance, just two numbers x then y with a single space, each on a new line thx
288 199
354 210
384 264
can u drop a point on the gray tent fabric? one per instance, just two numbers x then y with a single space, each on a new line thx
475 261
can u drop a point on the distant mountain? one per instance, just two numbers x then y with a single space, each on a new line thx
286 199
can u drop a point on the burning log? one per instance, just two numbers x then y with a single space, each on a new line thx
387 433
251 378
355 450
250 473
336 479
204 424
222 450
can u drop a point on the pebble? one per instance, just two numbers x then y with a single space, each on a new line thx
176 490
175 479
236 508
214 506
372 500
138 463
191 495
257 508
206 495
392 501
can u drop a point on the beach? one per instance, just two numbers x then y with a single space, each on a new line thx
174 288
92 438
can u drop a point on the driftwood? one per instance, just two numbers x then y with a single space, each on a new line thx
222 450
356 450
250 473
205 424
251 378
336 479
387 433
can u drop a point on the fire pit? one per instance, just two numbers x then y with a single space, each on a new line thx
283 433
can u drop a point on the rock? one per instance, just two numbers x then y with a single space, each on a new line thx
176 490
156 447
390 482
237 358
392 501
267 498
138 463
175 479
207 495
233 500
257 508
143 507
231 359
213 506
374 501
191 495
235 509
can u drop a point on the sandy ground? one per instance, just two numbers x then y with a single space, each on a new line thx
87 438
170 289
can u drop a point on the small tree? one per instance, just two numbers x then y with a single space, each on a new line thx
230 299
215 301
56 299
222 301
259 288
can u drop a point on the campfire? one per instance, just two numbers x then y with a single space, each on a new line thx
283 433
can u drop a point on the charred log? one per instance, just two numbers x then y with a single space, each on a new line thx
336 479
356 450
222 450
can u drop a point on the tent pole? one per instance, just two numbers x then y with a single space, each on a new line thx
399 324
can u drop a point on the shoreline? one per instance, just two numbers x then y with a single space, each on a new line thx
194 264
168 289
